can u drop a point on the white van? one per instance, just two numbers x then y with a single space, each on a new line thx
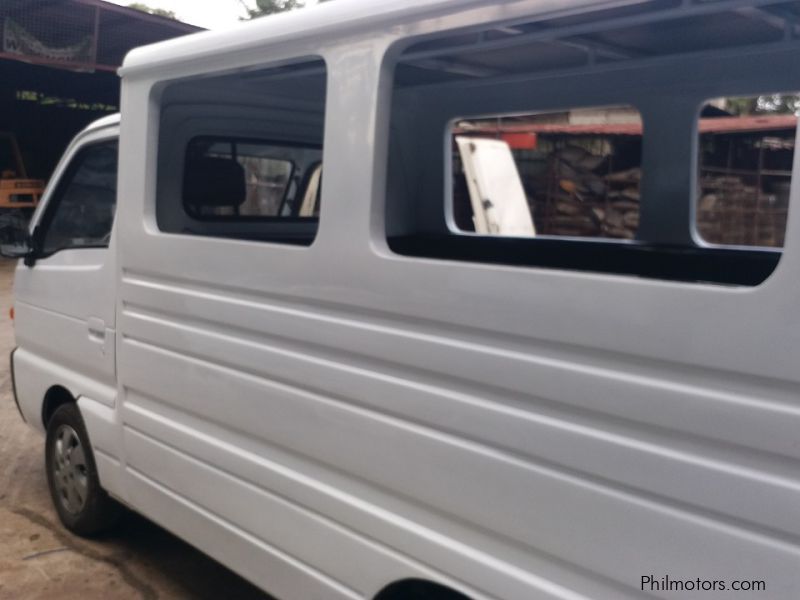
340 384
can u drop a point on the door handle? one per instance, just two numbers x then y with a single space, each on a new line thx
97 329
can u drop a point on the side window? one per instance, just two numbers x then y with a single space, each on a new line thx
240 154
81 212
243 179
520 146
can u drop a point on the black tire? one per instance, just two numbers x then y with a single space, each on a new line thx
82 505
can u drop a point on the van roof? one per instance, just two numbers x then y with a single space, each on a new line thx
330 19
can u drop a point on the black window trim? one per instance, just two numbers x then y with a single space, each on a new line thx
692 264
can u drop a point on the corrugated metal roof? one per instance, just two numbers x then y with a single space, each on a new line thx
82 35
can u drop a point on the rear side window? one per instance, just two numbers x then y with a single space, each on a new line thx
535 146
81 212
240 154
226 178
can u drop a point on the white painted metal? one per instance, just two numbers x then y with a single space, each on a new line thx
66 310
65 323
495 190
329 419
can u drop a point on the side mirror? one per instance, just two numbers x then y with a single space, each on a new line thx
20 249
15 241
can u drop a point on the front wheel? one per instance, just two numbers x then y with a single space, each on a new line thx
82 505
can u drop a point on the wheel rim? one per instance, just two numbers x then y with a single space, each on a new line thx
69 470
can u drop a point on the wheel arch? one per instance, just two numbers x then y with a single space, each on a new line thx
419 589
55 396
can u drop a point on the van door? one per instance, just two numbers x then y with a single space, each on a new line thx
65 300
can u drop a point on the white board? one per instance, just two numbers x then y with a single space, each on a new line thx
499 204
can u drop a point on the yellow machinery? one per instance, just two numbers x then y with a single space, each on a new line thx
16 190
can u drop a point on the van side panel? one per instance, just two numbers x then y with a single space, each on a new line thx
328 419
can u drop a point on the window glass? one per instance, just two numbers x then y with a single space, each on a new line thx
264 170
572 173
81 213
746 155
239 154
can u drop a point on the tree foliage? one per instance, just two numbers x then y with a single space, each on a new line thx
270 7
770 104
159 12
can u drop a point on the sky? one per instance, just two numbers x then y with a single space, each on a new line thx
211 14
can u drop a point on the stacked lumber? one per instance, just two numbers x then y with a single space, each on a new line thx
731 211
584 199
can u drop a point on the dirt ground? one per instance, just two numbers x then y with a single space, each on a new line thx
40 559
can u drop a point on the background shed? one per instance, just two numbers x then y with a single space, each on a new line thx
58 62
